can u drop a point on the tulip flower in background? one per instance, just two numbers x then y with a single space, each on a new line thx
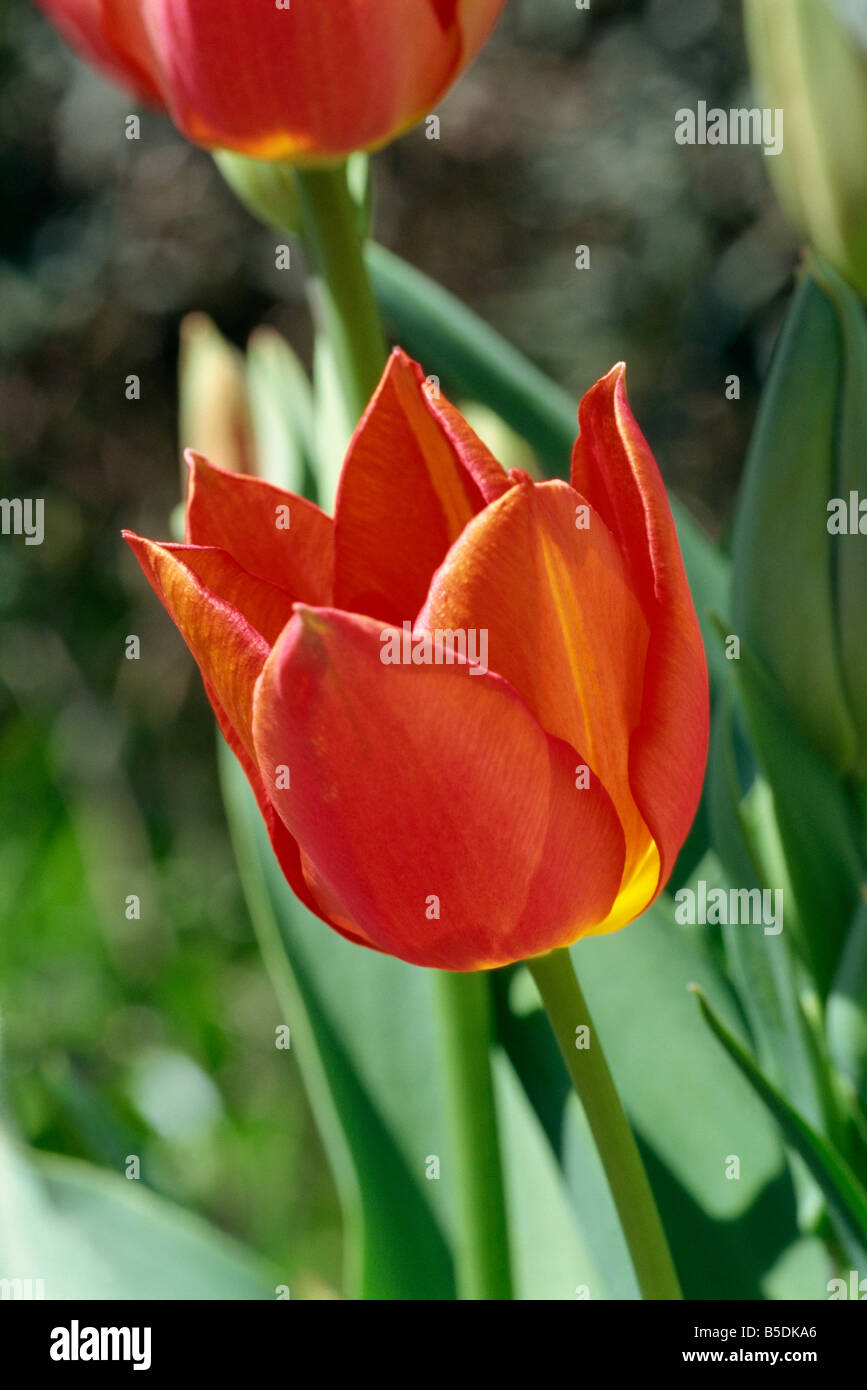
283 96
307 82
809 58
575 750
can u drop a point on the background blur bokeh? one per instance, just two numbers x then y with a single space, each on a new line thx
155 1036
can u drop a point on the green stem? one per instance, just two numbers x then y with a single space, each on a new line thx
331 231
567 1011
482 1244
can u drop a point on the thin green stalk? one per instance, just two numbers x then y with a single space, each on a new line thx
567 1012
482 1244
331 231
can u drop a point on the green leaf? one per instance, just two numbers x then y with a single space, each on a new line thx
87 1234
846 1198
846 1015
783 575
851 476
760 964
821 845
551 1255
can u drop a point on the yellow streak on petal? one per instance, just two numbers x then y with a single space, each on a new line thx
636 890
641 869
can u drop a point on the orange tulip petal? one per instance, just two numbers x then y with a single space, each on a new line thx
312 78
284 845
439 817
614 468
308 80
414 475
221 612
241 514
111 35
563 628
224 617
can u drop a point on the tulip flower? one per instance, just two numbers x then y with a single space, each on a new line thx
809 59
473 708
308 81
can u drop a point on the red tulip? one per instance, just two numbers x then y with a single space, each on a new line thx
308 80
462 808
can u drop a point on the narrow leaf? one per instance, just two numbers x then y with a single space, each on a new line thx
846 1198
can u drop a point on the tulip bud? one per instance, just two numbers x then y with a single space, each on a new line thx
214 417
306 82
800 555
279 394
250 414
813 65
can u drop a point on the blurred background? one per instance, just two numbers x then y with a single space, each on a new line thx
155 1036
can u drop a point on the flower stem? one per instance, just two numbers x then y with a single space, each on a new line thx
482 1242
331 229
567 1010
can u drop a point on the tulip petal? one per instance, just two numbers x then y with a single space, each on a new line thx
279 82
566 631
615 470
220 611
414 475
476 19
276 80
284 846
240 514
111 35
439 817
228 620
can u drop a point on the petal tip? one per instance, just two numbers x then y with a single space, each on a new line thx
138 544
614 378
521 477
196 462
